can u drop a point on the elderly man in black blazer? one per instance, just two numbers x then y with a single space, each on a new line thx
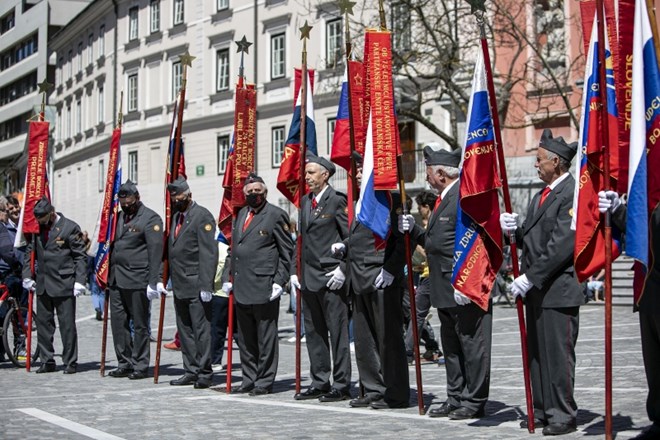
61 268
193 257
135 263
324 221
260 262
549 285
466 329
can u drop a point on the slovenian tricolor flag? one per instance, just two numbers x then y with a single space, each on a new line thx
478 241
643 187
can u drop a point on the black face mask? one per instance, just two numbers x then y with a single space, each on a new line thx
46 225
180 205
130 209
255 200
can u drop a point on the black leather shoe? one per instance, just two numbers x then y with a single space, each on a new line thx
46 368
443 410
537 423
464 413
334 395
310 393
201 384
137 375
120 372
382 404
363 402
186 379
652 433
258 391
558 429
71 369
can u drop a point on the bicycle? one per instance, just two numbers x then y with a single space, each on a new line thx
14 330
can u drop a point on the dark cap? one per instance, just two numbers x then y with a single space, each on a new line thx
558 145
43 207
252 178
128 188
325 163
177 187
357 157
442 157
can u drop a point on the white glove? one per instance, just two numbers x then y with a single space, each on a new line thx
461 299
294 282
226 287
78 289
29 284
608 200
383 279
160 287
277 291
338 249
509 221
521 286
152 293
406 223
337 279
205 296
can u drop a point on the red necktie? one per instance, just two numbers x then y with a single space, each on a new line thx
544 195
437 203
178 225
314 203
248 220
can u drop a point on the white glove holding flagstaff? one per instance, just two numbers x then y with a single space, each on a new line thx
508 221
337 279
160 287
29 284
384 279
608 200
406 223
277 291
226 287
294 283
461 299
152 293
78 289
521 286
338 250
205 296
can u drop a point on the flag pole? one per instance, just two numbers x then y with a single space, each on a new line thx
479 10
106 297
346 7
605 148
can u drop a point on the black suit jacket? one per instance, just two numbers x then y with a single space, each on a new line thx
193 253
260 256
61 262
136 254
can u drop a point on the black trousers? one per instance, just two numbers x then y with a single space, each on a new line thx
650 329
132 350
424 329
65 307
193 321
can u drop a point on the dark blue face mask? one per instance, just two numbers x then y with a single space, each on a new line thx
255 200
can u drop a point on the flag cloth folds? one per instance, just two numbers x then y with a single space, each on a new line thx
288 178
109 211
589 229
478 242
177 169
643 187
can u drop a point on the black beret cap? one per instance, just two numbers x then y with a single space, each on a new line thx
252 178
357 157
42 207
178 186
558 145
128 188
325 163
442 157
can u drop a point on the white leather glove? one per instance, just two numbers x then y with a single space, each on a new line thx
509 221
78 289
337 279
608 200
29 284
152 293
521 286
338 250
226 287
277 291
294 282
205 296
406 223
160 287
461 299
383 279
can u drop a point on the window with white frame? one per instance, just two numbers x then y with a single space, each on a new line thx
154 20
221 5
59 136
223 153
177 78
133 166
70 65
90 49
102 40
68 121
78 116
178 12
80 57
277 56
133 23
101 105
332 43
401 27
60 71
277 143
222 70
132 86
331 131
101 175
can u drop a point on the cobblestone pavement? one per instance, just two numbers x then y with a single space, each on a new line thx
86 405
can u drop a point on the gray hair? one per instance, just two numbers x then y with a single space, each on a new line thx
3 202
564 164
263 185
451 172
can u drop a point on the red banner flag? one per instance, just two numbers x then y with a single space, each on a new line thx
36 179
623 71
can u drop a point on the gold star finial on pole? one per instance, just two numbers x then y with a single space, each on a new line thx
304 31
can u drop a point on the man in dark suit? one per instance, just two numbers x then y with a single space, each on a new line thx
61 267
135 262
193 257
548 283
324 221
260 262
466 329
375 273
